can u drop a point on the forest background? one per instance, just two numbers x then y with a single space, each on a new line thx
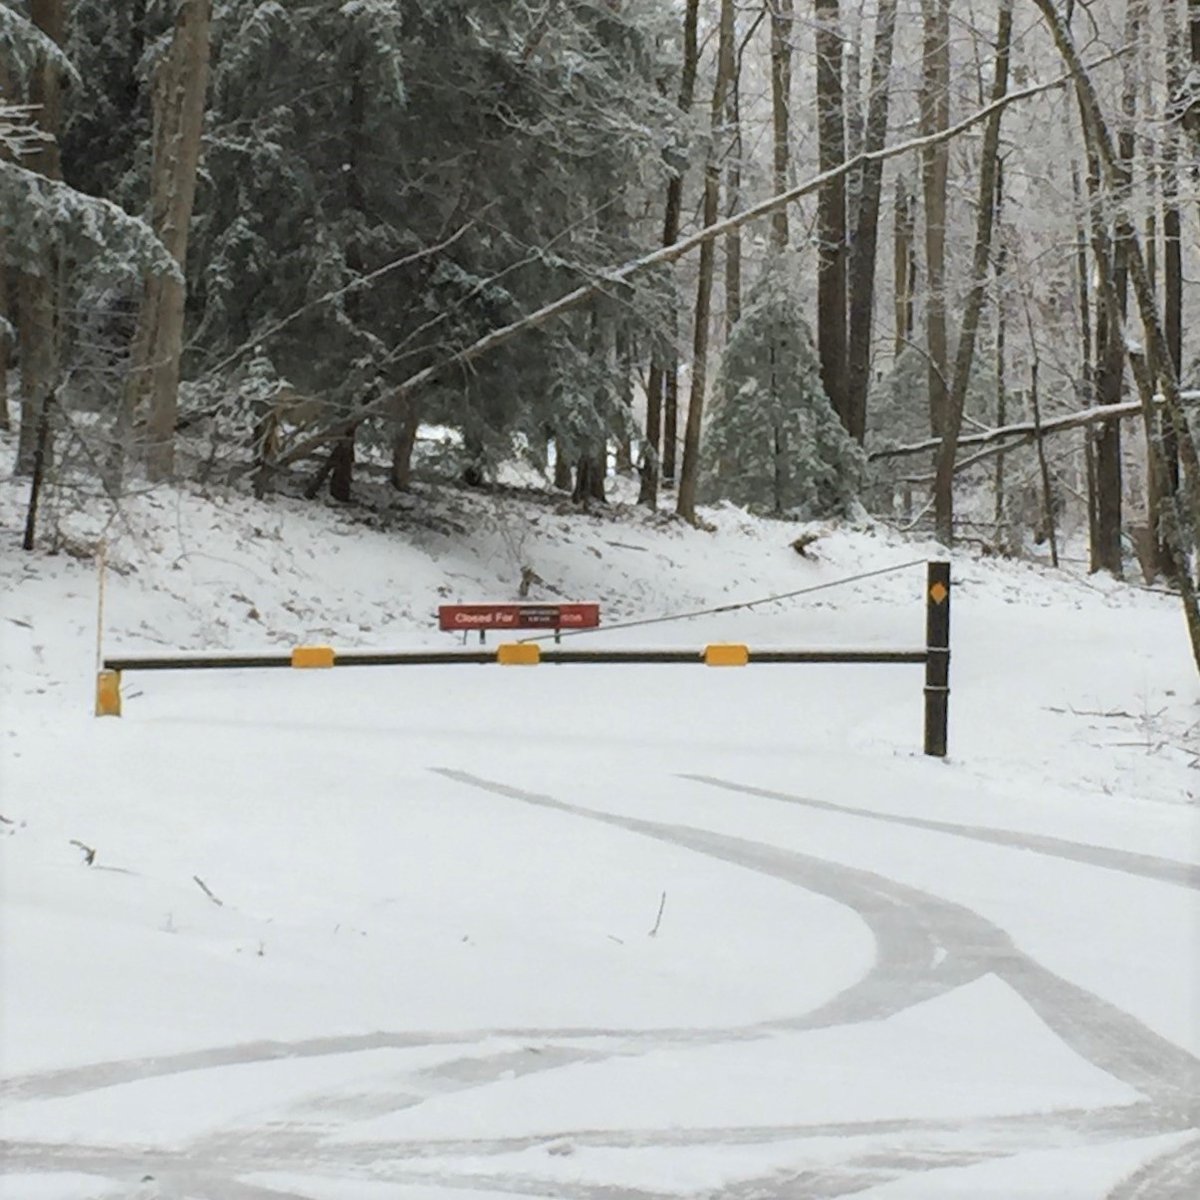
937 260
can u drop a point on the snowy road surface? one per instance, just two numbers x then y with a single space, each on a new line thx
590 932
439 966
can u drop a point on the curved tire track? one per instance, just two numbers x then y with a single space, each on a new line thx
909 922
1128 862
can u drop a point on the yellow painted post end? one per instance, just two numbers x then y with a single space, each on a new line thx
519 654
108 694
726 654
313 656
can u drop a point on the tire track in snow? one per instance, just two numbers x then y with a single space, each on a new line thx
1098 1031
913 929
1128 862
1172 1176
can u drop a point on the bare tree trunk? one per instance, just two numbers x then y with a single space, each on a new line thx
563 475
662 407
648 488
670 436
41 452
1107 553
831 209
624 357
38 315
689 475
404 442
180 91
1086 359
935 159
1106 441
1035 408
589 478
864 245
733 192
904 262
943 488
782 21
1048 522
1172 223
5 321
6 313
1001 349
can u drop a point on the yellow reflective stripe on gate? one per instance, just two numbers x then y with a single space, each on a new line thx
518 654
726 654
313 656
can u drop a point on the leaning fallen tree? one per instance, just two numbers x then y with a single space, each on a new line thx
608 281
1024 431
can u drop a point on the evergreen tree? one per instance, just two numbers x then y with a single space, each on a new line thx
346 137
774 442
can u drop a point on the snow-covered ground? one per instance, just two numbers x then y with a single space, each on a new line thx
588 931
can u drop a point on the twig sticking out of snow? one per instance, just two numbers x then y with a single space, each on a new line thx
204 888
658 920
89 853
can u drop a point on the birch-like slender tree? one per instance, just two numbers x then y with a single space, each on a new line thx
662 383
943 487
180 90
690 470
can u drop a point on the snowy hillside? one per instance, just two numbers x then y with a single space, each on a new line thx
591 931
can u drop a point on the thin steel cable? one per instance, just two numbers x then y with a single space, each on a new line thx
726 608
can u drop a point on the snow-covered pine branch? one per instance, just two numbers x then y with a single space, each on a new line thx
44 211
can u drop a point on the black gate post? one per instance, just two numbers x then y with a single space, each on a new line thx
937 657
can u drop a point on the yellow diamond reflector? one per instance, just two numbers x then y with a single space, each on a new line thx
518 654
726 654
938 593
312 656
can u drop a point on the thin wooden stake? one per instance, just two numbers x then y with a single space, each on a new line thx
101 575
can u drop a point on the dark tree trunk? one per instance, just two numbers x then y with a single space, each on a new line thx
935 160
782 21
648 490
733 197
38 315
1087 357
904 262
861 278
589 479
404 441
831 209
41 454
6 313
670 435
1172 246
341 476
564 477
662 422
624 357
